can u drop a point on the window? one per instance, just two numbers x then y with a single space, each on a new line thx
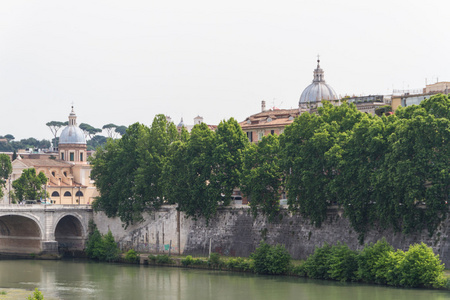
65 173
62 155
260 135
79 194
81 156
55 194
272 132
72 156
250 136
53 173
67 194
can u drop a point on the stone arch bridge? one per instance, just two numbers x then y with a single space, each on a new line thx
43 229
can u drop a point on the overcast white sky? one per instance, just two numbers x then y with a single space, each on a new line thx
126 61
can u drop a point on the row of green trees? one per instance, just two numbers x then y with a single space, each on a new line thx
151 166
112 131
389 171
10 145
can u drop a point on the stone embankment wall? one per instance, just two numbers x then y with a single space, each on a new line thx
235 232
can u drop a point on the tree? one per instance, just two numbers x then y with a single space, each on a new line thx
110 249
89 131
102 247
113 169
357 158
202 198
438 106
174 177
121 130
229 144
153 153
5 171
30 186
96 141
9 137
415 176
307 145
6 146
110 130
262 175
55 126
94 247
127 171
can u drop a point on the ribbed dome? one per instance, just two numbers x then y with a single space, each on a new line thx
318 90
72 134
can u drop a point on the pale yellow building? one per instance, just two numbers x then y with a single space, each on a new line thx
68 171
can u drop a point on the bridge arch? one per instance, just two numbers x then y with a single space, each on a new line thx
70 232
20 234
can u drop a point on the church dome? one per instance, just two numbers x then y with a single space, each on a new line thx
72 134
318 90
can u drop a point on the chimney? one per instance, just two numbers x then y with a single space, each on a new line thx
263 105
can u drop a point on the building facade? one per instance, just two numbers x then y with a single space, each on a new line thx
68 172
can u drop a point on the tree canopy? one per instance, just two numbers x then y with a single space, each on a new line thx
389 171
113 131
89 131
30 186
262 176
54 127
127 171
5 171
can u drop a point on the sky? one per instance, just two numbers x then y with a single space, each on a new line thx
123 62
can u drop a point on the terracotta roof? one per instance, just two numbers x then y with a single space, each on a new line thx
45 162
279 118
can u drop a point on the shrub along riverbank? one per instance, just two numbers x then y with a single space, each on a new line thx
377 263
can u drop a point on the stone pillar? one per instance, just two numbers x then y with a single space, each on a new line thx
49 247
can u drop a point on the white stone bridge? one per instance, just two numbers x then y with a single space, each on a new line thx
42 229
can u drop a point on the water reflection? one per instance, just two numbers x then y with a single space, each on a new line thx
90 280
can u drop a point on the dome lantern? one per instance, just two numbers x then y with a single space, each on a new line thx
72 142
318 90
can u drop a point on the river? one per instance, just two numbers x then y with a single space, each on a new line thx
67 279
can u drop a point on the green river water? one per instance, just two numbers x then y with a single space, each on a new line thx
68 279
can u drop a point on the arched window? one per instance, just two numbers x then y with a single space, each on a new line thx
55 194
67 194
79 194
53 173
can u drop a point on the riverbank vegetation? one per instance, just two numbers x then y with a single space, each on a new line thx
378 263
37 295
390 171
101 247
